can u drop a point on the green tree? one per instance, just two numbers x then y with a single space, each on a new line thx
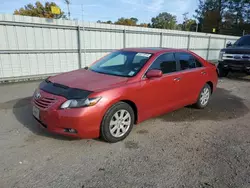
164 21
179 27
185 19
127 21
135 20
188 24
240 16
122 21
191 25
207 8
107 22
240 10
39 10
227 16
144 24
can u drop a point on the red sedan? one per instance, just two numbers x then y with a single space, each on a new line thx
121 89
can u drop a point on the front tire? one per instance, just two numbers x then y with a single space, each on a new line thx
221 71
204 97
117 122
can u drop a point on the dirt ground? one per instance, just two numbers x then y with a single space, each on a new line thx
187 148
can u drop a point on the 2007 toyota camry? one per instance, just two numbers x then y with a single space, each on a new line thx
121 89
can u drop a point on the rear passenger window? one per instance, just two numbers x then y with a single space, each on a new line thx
166 63
198 64
187 61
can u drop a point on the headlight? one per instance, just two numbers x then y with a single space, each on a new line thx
77 103
221 55
37 94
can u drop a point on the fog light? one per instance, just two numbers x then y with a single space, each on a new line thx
225 65
247 68
68 130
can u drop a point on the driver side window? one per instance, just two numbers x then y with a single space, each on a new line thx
166 63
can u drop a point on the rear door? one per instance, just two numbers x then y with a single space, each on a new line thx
193 77
160 95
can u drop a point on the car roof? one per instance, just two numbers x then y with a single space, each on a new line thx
152 50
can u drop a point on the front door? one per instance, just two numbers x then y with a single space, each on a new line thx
159 95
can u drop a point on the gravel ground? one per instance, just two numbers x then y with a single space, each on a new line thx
187 148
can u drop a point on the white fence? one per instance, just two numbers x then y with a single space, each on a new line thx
32 47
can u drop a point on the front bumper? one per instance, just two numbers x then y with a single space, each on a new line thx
86 121
243 66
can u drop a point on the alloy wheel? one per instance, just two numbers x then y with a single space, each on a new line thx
120 123
205 94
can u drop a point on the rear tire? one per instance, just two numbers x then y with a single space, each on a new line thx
221 71
204 97
117 122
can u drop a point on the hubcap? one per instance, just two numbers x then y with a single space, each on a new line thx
205 96
120 123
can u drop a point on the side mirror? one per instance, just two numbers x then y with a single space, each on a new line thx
229 44
154 73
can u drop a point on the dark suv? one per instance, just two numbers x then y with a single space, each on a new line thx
236 57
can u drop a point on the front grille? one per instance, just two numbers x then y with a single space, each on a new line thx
241 51
243 63
44 102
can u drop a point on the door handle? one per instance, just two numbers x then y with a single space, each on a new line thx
203 72
177 79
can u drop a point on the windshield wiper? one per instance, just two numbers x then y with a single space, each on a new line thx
97 71
108 73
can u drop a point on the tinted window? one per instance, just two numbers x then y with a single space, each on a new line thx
198 64
187 61
243 41
166 63
140 58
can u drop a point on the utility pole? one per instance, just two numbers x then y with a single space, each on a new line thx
68 2
84 38
82 12
185 19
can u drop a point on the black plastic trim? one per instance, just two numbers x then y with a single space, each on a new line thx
64 91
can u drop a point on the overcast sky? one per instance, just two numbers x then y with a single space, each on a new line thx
95 10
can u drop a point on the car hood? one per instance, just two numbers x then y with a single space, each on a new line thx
237 50
88 80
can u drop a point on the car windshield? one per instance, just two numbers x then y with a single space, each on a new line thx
121 63
243 41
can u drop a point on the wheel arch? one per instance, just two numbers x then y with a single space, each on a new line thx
211 85
134 107
127 101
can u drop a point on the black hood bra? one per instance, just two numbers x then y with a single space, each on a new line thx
64 91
